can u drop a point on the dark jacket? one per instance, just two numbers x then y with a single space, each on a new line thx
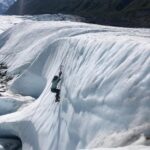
55 82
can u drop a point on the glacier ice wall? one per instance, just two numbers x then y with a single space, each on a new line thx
105 86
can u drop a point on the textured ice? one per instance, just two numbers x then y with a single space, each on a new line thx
105 97
123 148
8 105
9 21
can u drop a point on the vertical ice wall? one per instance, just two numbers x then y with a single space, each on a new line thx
104 91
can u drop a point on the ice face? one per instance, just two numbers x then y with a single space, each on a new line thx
104 90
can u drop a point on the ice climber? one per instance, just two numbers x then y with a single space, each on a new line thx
54 87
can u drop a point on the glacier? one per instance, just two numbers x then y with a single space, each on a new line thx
105 96
9 21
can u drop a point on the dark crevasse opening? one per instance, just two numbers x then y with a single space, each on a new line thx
10 142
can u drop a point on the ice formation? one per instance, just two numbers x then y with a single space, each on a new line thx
9 21
105 96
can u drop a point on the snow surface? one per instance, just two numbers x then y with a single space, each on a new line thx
124 148
9 21
7 107
105 96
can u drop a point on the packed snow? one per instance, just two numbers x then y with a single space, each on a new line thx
105 96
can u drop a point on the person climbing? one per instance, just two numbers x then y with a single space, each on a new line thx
54 88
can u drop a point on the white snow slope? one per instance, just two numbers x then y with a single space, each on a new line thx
7 22
105 91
